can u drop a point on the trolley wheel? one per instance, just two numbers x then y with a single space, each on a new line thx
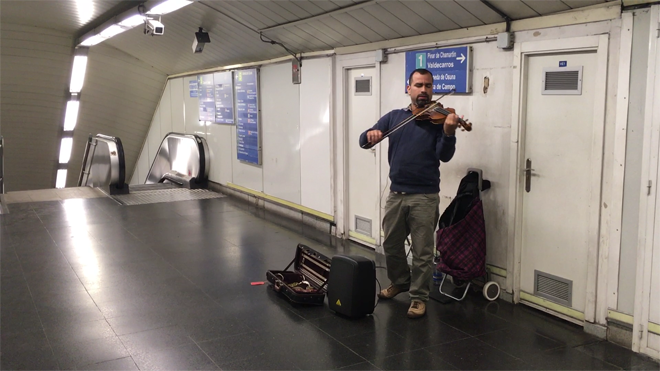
491 290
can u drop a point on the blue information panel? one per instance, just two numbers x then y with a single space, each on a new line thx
206 98
224 98
192 86
450 67
247 116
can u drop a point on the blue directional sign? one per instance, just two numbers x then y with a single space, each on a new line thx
450 67
224 97
247 116
192 86
206 97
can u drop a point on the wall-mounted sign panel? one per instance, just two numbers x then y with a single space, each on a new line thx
248 146
206 97
192 86
451 67
224 97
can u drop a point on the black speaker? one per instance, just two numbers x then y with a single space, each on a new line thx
352 285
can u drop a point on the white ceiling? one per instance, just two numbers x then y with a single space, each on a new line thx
301 25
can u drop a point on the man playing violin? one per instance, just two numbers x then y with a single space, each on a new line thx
414 155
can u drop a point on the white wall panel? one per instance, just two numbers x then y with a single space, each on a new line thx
154 138
166 111
315 162
280 132
177 103
633 169
219 140
142 166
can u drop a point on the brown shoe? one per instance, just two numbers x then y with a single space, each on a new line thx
417 309
390 292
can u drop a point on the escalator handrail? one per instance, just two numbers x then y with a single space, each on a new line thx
121 159
202 148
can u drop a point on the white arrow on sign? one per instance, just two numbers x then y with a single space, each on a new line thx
461 58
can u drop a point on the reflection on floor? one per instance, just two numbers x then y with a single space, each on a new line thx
89 284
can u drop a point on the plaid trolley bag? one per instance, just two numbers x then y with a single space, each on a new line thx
461 237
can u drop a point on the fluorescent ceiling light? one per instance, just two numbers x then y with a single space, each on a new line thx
71 116
107 33
85 10
112 31
65 150
169 6
93 40
133 21
61 178
78 73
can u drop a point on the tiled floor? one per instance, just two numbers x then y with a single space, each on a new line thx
88 284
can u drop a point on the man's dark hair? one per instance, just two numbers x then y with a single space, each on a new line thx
421 71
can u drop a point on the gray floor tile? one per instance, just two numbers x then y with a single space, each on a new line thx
167 286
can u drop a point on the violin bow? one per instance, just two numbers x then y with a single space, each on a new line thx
398 126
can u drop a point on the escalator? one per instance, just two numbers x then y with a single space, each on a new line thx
104 165
179 171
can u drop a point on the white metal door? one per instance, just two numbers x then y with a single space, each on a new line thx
556 196
653 324
363 198
646 325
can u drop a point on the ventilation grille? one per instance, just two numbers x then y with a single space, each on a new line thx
363 225
363 85
562 81
557 289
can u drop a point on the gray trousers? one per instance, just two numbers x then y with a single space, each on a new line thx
417 215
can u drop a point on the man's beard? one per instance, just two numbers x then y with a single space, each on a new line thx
422 102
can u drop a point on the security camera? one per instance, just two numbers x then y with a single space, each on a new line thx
153 27
201 38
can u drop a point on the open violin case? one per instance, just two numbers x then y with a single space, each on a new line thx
306 284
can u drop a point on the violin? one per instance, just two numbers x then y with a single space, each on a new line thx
434 112
438 114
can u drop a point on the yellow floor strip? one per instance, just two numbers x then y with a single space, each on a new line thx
570 312
283 202
362 237
496 270
621 317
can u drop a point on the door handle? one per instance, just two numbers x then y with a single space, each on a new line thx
528 175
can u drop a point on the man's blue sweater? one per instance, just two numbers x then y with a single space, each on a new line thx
415 152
